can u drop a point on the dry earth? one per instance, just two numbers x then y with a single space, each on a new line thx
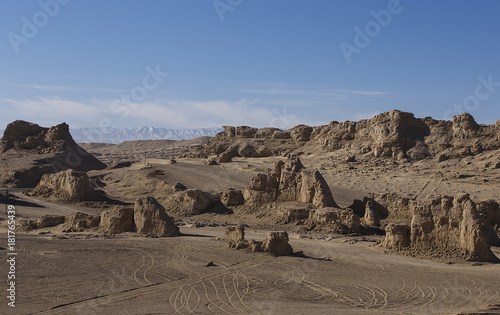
92 273
88 273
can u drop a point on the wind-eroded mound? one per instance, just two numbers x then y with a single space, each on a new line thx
393 134
444 224
30 151
67 186
290 181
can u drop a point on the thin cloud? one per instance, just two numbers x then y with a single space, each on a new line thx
47 87
163 112
69 88
360 92
276 91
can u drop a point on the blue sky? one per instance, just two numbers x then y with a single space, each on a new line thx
245 62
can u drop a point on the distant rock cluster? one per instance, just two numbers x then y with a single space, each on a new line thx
393 134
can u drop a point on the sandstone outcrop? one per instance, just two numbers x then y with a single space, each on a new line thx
232 197
50 220
117 220
80 220
191 202
340 221
40 151
393 134
371 217
290 181
67 186
150 218
450 223
397 236
276 243
234 234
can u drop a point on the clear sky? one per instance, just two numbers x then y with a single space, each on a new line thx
246 62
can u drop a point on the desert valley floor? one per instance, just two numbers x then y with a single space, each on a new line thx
392 215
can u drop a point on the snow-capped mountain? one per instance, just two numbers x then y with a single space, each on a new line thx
115 135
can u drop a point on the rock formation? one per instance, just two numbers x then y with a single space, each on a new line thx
191 202
117 220
290 181
276 243
397 236
234 234
40 151
80 220
371 217
50 220
150 218
454 224
67 186
232 197
393 134
340 221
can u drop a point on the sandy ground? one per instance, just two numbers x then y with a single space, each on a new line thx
88 273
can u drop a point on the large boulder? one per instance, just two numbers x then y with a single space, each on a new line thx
191 202
224 157
150 218
50 220
235 234
67 186
117 220
80 220
276 243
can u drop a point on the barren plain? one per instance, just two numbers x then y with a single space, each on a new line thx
339 267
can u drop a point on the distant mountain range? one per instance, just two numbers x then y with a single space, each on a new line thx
116 136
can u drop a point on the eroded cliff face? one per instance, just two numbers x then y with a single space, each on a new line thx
290 181
393 134
456 224
30 151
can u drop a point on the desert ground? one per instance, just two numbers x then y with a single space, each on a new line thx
90 273
63 270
